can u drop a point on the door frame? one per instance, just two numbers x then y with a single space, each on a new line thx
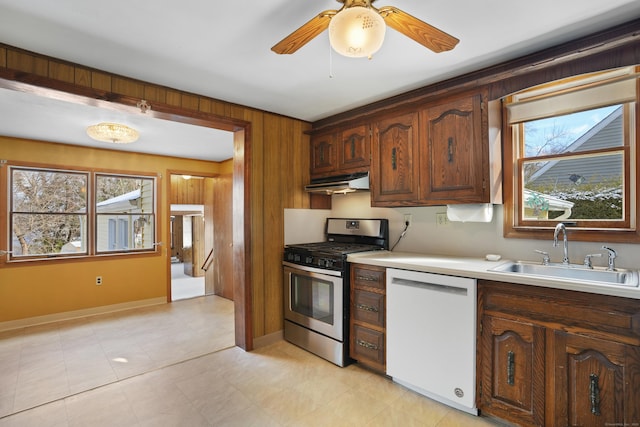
50 88
170 174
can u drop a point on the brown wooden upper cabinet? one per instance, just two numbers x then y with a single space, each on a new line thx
394 170
324 160
454 152
436 156
341 151
354 146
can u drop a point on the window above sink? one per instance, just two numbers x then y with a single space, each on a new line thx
571 155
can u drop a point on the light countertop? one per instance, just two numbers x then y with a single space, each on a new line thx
480 268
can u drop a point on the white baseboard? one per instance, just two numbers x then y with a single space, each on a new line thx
68 315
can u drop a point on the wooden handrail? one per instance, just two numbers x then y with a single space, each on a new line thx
208 261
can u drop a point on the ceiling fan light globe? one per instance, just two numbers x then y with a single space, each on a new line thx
357 32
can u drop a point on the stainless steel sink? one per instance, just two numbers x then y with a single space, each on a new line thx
578 273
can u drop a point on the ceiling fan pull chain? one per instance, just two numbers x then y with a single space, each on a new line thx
330 61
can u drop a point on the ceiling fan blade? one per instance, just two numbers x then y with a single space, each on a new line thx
304 34
425 34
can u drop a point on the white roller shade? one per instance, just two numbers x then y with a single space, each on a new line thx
615 92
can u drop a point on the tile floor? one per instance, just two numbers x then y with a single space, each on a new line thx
278 385
44 363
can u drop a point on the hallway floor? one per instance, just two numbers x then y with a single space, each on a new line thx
182 371
183 286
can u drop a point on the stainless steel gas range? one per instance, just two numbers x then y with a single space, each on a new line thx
316 285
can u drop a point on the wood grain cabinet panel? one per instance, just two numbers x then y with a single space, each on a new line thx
454 153
394 172
437 155
594 382
368 307
367 344
512 372
354 149
367 277
323 154
551 357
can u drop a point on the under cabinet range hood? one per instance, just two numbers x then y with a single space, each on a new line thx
339 184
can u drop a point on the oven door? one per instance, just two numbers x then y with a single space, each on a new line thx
313 298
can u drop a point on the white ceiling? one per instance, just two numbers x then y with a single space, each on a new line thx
222 50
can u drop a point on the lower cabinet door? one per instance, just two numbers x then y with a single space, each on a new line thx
512 386
596 382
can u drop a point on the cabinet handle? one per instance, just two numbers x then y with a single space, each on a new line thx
394 165
322 154
353 147
367 345
367 278
367 308
594 394
511 367
450 149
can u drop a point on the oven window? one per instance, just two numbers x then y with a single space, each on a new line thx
312 297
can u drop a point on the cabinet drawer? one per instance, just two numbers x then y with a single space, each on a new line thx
368 277
368 307
367 344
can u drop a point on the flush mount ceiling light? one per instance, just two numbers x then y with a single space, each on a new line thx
369 23
112 132
357 32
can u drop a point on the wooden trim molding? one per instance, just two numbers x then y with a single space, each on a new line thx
616 47
28 72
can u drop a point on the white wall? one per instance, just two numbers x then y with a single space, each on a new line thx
461 239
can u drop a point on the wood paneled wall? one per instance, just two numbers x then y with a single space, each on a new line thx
277 161
186 191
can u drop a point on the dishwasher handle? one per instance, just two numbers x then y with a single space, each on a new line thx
437 287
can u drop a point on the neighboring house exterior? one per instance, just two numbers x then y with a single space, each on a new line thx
123 221
568 174
606 134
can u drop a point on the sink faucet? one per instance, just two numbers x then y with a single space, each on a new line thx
565 242
612 257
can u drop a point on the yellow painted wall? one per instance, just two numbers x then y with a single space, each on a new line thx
277 167
37 289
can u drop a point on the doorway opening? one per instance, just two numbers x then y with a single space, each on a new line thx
187 239
239 182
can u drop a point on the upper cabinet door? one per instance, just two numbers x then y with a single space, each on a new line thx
323 154
394 172
354 149
454 153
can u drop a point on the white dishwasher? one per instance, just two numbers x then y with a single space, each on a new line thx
431 335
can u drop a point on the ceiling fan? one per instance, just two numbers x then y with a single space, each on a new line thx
369 19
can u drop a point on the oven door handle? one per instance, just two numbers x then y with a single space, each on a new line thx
315 270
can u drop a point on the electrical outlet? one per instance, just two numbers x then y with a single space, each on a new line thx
98 280
441 219
407 219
